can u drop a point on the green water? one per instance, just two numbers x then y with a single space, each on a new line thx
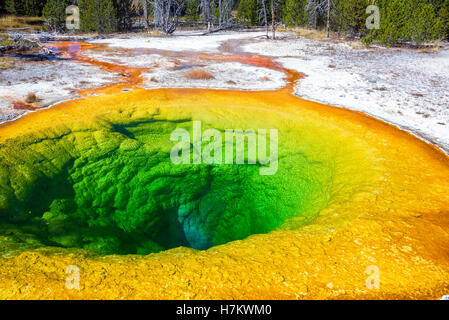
112 188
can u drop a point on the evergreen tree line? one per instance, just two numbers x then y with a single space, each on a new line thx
401 21
22 7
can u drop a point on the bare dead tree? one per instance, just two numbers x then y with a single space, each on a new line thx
219 12
320 8
313 11
224 18
273 19
229 5
206 12
224 12
328 18
264 13
166 14
137 5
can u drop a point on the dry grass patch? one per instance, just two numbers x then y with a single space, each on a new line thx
6 42
311 33
199 75
154 33
6 63
430 48
13 22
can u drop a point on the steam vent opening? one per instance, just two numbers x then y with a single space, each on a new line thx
108 184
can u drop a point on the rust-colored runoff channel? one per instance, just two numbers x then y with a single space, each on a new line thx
132 77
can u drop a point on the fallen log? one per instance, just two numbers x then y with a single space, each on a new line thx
21 45
222 28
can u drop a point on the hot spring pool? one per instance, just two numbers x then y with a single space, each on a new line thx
96 174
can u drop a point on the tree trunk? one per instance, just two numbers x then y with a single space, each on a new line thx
265 17
206 9
273 20
328 18
145 14
314 15
219 13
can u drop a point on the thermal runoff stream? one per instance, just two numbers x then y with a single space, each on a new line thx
90 183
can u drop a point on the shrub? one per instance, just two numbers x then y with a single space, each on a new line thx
24 7
247 12
199 75
54 14
294 12
98 16
15 7
192 13
353 16
34 7
444 16
31 98
124 14
405 21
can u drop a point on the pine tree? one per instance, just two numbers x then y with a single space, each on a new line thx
403 21
247 12
24 7
352 16
54 14
145 6
15 7
107 17
97 16
427 25
33 7
124 14
443 13
192 10
89 15
294 12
